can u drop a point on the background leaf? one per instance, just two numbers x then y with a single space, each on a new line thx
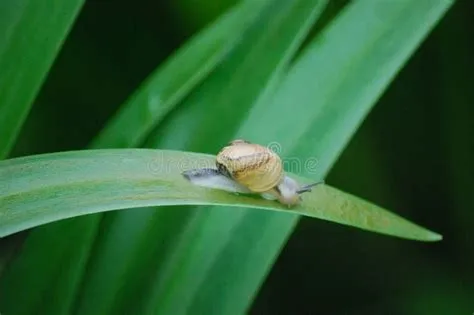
31 33
176 78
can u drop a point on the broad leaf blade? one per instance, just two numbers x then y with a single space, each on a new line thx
52 187
31 34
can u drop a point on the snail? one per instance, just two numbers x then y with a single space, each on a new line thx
248 168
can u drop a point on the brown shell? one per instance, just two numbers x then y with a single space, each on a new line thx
251 165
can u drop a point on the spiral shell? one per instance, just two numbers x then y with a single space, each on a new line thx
251 165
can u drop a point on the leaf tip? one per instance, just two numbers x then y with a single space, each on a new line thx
435 237
430 236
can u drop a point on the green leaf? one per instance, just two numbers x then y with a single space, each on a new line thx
174 80
31 34
215 110
44 188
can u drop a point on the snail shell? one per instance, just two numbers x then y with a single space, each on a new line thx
244 167
251 165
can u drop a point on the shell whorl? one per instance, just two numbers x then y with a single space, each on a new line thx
251 165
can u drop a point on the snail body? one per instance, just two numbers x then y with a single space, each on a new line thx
244 167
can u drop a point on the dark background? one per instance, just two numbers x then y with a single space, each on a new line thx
414 154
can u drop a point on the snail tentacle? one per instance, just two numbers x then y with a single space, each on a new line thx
307 188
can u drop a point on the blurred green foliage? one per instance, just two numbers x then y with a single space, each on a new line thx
413 153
